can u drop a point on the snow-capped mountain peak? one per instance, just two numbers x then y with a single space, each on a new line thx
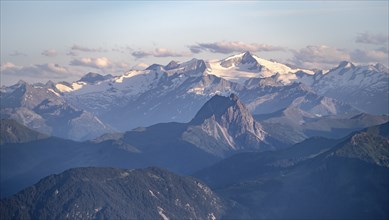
345 64
381 68
248 58
243 66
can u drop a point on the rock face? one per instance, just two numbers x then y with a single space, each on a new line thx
108 193
227 119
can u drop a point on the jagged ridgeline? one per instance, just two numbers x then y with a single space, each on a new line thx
98 104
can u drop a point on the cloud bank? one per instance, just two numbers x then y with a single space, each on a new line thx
368 38
101 63
45 70
49 53
326 57
158 52
227 47
87 49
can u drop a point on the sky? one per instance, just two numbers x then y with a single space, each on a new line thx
63 40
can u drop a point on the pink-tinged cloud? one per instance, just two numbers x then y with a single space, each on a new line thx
87 49
226 47
159 52
49 53
51 70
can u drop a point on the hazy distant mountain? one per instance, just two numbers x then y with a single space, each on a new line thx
13 132
176 91
108 193
184 148
267 95
344 179
42 108
365 87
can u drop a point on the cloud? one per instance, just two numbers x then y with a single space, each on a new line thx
98 63
158 52
321 56
122 49
370 56
140 66
49 53
50 70
368 38
325 57
72 54
140 54
101 63
226 47
87 49
17 54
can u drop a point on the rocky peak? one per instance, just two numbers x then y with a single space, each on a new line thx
94 77
248 58
172 65
155 67
345 64
194 66
231 114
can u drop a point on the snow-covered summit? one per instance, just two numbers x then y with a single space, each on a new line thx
243 66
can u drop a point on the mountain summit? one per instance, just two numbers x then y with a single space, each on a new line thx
248 58
227 120
94 78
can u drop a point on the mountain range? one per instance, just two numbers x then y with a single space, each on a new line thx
175 92
262 140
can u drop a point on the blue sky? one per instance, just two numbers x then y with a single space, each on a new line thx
63 40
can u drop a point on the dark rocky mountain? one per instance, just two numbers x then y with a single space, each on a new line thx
13 132
223 126
317 179
41 107
227 120
109 193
